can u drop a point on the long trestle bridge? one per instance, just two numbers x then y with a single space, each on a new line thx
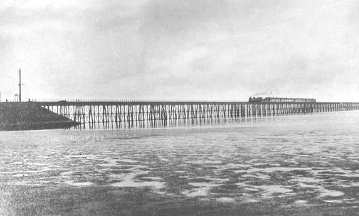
154 113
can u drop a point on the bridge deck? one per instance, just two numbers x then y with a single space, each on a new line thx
97 103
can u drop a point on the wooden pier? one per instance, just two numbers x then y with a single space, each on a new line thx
156 113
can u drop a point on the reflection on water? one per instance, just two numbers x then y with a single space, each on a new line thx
309 160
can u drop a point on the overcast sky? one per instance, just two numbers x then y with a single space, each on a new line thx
180 49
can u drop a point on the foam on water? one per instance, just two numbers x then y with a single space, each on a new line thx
330 193
225 200
128 180
307 180
278 169
274 190
139 184
79 184
126 160
201 189
301 202
204 162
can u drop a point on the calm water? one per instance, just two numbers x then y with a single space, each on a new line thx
294 165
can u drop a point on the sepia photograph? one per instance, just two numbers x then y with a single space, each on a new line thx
179 108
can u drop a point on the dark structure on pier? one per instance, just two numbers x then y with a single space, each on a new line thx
150 113
281 100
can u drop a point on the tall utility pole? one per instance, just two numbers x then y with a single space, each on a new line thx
19 84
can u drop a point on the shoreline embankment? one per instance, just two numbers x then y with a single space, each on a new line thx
30 116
